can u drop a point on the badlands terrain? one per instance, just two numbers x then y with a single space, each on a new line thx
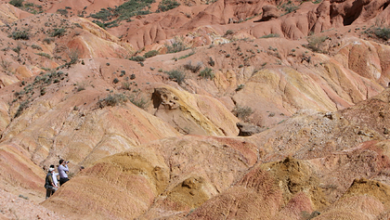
196 109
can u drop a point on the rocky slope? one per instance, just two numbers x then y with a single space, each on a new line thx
149 103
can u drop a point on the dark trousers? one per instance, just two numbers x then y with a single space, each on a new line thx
50 191
63 180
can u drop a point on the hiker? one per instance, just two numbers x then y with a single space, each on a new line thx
62 170
51 188
54 176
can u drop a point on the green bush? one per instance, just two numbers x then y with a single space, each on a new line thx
187 55
74 56
37 47
62 11
21 108
44 55
17 3
151 53
242 112
103 14
240 87
314 42
176 47
166 5
177 75
383 33
193 68
58 32
207 73
20 35
126 86
47 40
17 49
289 7
211 61
270 36
133 8
137 58
113 100
140 103
229 32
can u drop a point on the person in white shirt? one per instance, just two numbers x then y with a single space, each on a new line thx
62 171
54 176
49 183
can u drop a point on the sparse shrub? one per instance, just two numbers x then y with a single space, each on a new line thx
187 55
99 23
207 73
240 87
20 35
126 86
383 33
21 108
62 11
113 100
103 15
140 103
44 55
228 32
242 112
116 80
211 61
80 88
47 40
151 53
43 91
16 3
74 57
132 8
122 73
132 76
175 47
58 32
17 49
177 75
166 5
193 68
270 36
137 58
36 47
314 42
289 7
122 12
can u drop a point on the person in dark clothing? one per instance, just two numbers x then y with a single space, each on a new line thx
62 171
51 188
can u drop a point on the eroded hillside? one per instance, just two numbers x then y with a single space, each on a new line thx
196 109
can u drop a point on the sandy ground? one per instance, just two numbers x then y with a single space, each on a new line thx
14 207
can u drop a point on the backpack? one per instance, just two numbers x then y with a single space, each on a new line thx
48 181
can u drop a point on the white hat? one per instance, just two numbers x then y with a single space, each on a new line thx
51 169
